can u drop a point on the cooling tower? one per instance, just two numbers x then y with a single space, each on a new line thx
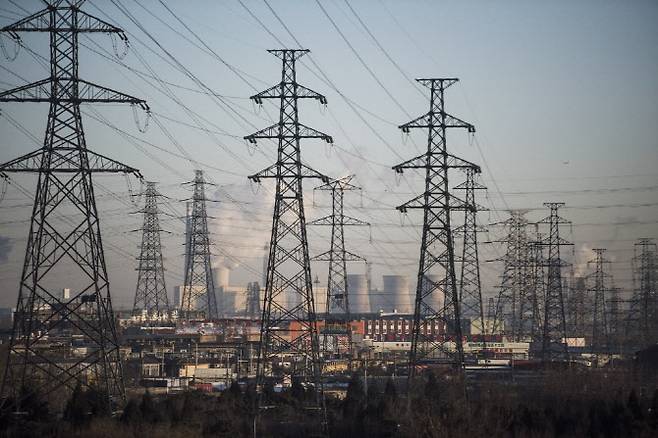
221 276
437 298
357 290
396 295
225 303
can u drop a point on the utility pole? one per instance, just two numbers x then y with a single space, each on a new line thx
643 312
151 291
600 329
60 249
288 328
514 298
337 309
437 245
470 287
554 336
199 298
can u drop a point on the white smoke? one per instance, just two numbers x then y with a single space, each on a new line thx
239 228
584 255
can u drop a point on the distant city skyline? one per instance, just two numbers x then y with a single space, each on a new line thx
564 97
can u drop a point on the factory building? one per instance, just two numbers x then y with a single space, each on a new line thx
389 327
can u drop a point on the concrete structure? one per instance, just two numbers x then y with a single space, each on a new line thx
221 276
476 327
397 294
178 295
437 299
357 287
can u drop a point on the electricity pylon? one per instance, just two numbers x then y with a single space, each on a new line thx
199 299
151 291
554 336
600 288
289 326
642 320
615 320
513 303
64 247
437 245
537 287
337 308
470 287
252 303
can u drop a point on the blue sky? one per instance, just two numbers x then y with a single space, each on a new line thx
564 96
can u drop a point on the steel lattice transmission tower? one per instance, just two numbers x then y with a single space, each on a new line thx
252 303
64 247
289 323
600 288
151 292
199 300
470 286
437 245
642 323
514 304
554 334
537 287
337 309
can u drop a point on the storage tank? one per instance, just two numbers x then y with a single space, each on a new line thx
357 290
396 295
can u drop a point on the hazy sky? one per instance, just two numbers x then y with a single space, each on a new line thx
564 96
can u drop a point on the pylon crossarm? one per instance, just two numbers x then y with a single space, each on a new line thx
431 82
67 160
322 257
327 220
419 122
269 172
454 203
351 257
281 53
37 22
351 221
455 122
40 22
560 241
342 184
457 204
301 92
420 162
309 172
415 203
429 120
284 131
465 186
29 92
86 92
